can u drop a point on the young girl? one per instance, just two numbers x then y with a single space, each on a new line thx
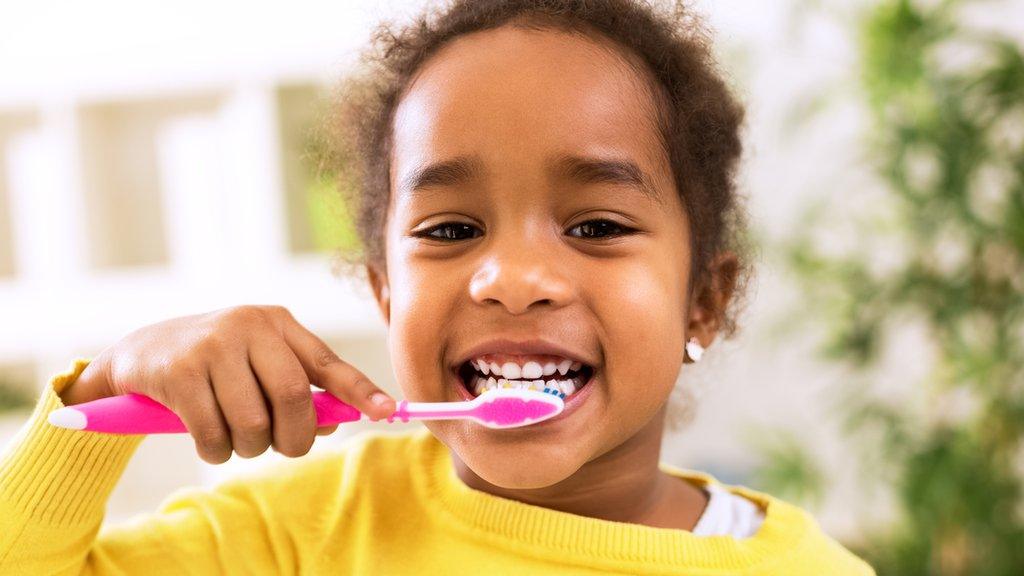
543 186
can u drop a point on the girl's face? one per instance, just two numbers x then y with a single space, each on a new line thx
524 238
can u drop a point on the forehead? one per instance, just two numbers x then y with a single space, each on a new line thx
517 97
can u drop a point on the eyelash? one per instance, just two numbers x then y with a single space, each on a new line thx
625 230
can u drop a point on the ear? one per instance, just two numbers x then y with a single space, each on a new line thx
711 298
381 291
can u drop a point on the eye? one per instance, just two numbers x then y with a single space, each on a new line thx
448 231
599 229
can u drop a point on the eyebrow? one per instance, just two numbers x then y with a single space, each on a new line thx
458 170
581 169
593 170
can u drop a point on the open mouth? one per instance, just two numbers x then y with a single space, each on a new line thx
558 376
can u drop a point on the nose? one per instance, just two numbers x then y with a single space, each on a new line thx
519 276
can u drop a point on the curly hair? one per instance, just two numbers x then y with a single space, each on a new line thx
698 117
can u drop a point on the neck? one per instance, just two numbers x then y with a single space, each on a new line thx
624 484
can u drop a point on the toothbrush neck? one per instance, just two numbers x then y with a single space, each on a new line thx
401 412
406 410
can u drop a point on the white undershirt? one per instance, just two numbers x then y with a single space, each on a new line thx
728 514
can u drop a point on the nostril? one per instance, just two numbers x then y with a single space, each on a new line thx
519 279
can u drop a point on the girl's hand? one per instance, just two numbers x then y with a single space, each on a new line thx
237 377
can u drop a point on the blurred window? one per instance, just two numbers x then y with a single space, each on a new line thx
121 177
10 125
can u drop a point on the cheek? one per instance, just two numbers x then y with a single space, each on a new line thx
642 311
421 302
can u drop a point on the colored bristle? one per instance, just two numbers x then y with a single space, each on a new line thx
506 408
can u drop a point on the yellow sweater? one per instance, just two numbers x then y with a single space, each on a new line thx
383 503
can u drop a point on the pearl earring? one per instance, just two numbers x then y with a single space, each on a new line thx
694 349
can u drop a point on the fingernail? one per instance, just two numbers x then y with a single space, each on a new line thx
379 398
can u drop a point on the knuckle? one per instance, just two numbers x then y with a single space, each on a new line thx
252 424
276 311
363 386
218 341
324 356
245 315
210 437
294 396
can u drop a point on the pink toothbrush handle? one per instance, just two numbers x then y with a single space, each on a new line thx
138 414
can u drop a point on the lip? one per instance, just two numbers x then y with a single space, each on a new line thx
522 347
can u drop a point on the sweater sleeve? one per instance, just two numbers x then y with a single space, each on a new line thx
54 485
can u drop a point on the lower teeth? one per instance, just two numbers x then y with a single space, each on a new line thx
560 388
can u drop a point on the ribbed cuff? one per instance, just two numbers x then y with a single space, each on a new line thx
61 476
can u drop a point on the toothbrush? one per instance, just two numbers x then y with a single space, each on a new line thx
138 414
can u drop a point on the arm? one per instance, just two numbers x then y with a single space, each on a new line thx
54 485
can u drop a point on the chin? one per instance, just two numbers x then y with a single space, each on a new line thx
503 460
528 471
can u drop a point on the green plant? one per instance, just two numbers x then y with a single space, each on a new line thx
14 398
939 246
329 218
793 474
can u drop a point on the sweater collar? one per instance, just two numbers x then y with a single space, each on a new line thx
569 538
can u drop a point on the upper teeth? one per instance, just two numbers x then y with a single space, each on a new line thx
531 369
563 388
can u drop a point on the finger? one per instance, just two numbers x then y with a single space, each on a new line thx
194 402
326 430
344 381
285 384
243 405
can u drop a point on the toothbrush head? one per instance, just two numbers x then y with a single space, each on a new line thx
513 407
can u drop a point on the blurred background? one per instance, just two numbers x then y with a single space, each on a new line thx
154 162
